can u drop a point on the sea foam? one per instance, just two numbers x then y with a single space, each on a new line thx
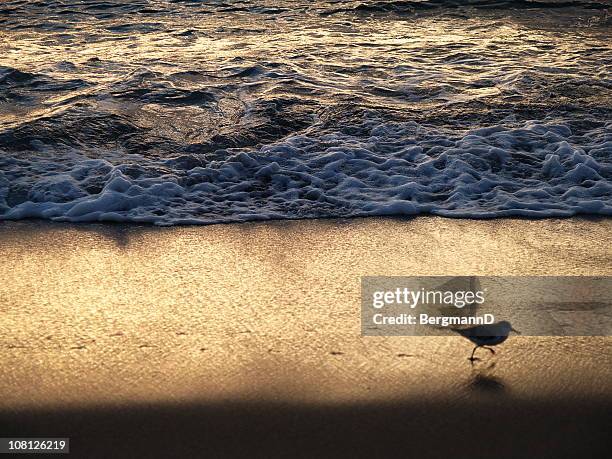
535 169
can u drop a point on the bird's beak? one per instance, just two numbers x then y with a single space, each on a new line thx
515 331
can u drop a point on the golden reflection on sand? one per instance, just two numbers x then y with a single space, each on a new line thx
109 313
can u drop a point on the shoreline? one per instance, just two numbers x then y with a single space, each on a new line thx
586 216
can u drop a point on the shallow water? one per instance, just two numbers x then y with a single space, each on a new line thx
201 112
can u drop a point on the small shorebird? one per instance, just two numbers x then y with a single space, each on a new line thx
487 335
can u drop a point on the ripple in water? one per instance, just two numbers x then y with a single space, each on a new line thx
200 112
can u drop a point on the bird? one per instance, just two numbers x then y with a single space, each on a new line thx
486 335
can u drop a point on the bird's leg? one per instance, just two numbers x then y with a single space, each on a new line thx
490 349
472 358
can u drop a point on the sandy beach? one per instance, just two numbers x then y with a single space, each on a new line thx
244 341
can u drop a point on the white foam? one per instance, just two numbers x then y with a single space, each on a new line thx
536 170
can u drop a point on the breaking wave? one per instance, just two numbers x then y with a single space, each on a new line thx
399 169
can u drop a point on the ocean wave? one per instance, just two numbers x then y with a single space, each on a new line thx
399 6
61 15
205 112
534 170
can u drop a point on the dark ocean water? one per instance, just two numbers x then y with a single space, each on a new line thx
213 111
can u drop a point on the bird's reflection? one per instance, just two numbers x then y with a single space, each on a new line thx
483 382
487 384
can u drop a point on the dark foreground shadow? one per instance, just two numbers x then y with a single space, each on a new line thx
500 427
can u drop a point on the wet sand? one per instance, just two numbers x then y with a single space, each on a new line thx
244 341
